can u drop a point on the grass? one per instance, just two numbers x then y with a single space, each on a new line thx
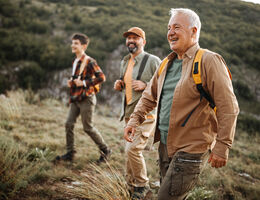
100 184
17 168
35 133
11 106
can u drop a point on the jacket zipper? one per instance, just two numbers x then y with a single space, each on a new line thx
188 117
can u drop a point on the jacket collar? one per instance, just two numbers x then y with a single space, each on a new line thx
137 58
189 53
81 58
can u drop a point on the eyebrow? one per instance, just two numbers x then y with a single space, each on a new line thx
174 25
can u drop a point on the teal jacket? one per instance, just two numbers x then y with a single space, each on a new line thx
152 64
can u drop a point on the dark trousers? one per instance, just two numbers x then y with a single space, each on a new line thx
85 109
179 174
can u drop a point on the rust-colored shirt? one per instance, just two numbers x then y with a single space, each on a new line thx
204 129
128 80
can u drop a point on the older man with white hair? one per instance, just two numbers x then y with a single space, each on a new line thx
197 108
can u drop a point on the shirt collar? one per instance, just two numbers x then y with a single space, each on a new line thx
137 58
189 53
192 50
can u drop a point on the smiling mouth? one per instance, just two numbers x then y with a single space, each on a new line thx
173 40
131 45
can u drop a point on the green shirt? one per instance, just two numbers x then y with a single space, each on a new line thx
171 79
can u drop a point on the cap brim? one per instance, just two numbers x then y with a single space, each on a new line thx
125 34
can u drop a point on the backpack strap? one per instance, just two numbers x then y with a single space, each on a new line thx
162 66
142 66
82 66
196 75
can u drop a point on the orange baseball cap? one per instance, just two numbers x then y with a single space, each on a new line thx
135 30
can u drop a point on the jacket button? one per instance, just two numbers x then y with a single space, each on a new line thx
177 169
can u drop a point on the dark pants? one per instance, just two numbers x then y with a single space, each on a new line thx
86 109
179 174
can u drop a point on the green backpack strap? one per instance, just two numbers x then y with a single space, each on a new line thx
142 66
196 75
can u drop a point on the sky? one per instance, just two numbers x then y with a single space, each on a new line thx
254 1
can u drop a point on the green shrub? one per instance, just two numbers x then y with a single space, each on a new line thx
200 193
39 27
3 84
30 75
242 90
248 123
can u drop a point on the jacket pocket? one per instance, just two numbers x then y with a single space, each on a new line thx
185 172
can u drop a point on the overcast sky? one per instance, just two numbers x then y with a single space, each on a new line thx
254 1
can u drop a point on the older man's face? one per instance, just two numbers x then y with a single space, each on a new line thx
180 36
134 43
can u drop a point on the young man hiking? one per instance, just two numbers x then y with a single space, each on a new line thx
84 84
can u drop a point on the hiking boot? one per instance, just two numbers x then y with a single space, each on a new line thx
104 155
66 157
141 193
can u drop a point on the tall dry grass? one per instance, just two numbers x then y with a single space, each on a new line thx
16 171
11 105
100 183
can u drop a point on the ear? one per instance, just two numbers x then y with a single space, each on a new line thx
85 47
194 31
144 42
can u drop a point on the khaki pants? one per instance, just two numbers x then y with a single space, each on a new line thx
86 109
179 174
136 172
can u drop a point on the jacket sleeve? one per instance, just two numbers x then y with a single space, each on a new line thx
94 74
220 88
146 104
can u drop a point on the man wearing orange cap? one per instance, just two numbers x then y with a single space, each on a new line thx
137 68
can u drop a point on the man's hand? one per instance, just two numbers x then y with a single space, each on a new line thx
138 85
78 82
119 85
129 133
69 83
217 161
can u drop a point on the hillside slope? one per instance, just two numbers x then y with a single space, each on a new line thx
35 129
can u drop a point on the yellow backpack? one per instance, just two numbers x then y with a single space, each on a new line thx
196 75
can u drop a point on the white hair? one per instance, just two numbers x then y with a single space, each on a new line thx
193 18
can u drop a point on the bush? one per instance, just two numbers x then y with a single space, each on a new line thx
30 75
38 27
242 90
200 193
3 84
248 123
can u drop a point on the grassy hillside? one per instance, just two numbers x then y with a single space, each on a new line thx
36 33
32 134
35 41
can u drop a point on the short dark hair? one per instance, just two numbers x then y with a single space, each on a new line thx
81 37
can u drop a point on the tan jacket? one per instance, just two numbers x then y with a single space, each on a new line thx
203 128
